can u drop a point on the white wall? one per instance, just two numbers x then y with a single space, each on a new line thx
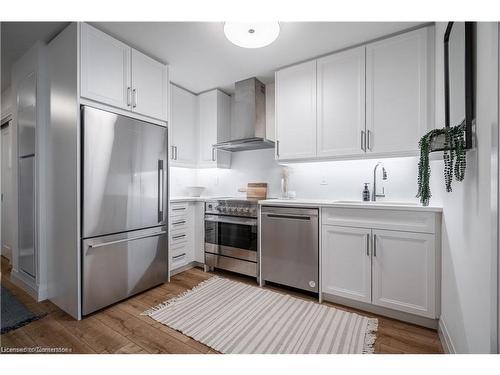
468 280
6 107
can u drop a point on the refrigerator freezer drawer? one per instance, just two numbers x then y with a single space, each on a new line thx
116 267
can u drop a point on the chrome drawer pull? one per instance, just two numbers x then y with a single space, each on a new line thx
179 256
179 236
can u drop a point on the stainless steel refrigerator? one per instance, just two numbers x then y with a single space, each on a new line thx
124 207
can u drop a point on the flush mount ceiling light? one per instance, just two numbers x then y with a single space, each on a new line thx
251 34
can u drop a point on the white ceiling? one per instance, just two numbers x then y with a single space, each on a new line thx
200 56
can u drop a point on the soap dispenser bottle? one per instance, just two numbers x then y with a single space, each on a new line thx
366 193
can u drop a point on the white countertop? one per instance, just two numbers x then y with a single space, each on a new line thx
379 205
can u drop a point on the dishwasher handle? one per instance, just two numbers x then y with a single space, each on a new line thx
289 216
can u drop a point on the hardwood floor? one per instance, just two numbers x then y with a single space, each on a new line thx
121 329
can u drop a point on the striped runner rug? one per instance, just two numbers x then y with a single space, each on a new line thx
233 317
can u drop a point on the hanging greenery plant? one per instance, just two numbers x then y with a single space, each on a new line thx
453 146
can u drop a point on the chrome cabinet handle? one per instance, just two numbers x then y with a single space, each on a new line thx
94 246
179 209
368 244
363 140
179 222
172 154
179 256
278 149
374 245
178 236
160 190
129 96
368 140
213 154
175 148
134 97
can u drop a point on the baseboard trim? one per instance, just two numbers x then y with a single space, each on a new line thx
383 311
185 267
445 338
21 281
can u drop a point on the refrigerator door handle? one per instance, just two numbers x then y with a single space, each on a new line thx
126 239
161 176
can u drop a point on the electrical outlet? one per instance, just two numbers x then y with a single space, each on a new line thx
323 181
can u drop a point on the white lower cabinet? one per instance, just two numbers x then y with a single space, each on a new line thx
393 269
346 262
404 271
187 234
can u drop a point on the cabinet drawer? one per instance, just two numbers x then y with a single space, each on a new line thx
178 260
178 237
178 223
409 221
178 209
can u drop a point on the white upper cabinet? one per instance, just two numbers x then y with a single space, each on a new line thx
341 103
399 91
113 73
296 111
404 271
149 90
105 68
214 117
346 269
183 128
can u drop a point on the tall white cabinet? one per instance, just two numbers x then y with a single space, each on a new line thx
374 100
115 74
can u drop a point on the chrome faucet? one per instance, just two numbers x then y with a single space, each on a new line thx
384 177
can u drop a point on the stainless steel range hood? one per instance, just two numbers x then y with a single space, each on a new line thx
248 123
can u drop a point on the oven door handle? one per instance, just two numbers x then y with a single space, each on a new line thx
231 220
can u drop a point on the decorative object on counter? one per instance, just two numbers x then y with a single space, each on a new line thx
366 193
285 174
194 191
454 156
285 324
257 190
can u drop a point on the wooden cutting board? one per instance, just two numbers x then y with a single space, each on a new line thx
257 190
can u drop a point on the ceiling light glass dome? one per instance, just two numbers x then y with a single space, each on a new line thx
251 34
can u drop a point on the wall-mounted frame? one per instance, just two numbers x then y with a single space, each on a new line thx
458 77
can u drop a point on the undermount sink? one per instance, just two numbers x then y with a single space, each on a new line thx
382 203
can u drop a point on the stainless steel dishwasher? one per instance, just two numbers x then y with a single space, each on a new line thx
289 246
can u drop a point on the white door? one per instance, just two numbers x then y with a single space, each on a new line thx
399 91
341 103
183 128
296 111
105 68
404 269
149 86
346 262
6 196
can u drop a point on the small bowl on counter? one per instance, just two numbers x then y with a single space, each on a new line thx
194 191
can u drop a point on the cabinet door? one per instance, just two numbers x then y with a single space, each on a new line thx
214 122
399 91
296 111
341 103
183 127
346 262
404 271
105 68
149 85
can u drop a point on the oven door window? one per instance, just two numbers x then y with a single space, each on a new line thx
240 236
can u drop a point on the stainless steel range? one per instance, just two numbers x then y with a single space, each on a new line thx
231 235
